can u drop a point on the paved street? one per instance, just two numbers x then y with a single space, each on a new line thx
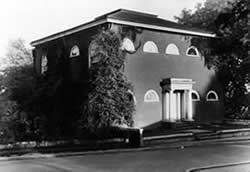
170 160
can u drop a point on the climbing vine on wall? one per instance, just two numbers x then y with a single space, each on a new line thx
109 102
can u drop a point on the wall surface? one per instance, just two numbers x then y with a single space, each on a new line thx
146 70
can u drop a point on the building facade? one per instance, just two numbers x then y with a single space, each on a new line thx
164 63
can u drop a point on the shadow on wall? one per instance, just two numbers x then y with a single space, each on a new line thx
206 110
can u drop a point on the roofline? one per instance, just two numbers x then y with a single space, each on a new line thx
68 32
116 21
149 26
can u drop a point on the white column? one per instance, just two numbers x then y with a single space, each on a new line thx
178 105
163 106
189 106
171 106
184 106
167 106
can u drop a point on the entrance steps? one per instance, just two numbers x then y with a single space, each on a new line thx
179 125
166 125
206 135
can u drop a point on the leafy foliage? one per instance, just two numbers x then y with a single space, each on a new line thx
49 106
109 98
232 51
16 87
226 54
205 14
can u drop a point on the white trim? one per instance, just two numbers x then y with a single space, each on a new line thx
195 49
69 32
197 94
75 47
172 49
150 47
215 94
128 45
44 64
149 26
133 95
155 99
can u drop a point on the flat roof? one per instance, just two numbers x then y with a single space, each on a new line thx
130 18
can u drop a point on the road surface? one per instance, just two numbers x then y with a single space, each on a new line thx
167 160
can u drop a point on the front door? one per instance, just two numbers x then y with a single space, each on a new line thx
176 99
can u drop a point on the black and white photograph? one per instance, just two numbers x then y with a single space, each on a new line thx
125 86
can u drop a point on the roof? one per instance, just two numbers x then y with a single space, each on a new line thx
130 18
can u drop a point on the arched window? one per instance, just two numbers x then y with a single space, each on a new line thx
195 96
128 45
151 96
193 51
132 96
75 51
212 96
150 47
44 64
172 49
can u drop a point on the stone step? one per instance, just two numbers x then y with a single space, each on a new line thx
178 125
206 135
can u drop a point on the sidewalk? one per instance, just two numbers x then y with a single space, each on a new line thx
176 145
178 139
196 133
232 167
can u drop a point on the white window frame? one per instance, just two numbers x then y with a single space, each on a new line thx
134 98
212 92
197 94
172 49
128 45
146 47
44 67
72 49
151 91
196 50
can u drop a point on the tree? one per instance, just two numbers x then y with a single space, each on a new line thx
234 32
204 15
109 100
231 48
18 54
17 85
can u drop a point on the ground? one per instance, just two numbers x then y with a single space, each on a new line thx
165 159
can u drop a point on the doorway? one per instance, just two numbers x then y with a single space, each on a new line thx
177 99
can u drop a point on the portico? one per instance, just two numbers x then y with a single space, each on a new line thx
177 99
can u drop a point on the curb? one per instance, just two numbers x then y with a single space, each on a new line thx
217 166
169 136
233 130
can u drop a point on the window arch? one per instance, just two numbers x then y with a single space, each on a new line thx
195 96
75 51
212 96
93 51
172 49
128 45
151 96
150 47
132 96
44 64
192 51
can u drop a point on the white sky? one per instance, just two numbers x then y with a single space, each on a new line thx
33 19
